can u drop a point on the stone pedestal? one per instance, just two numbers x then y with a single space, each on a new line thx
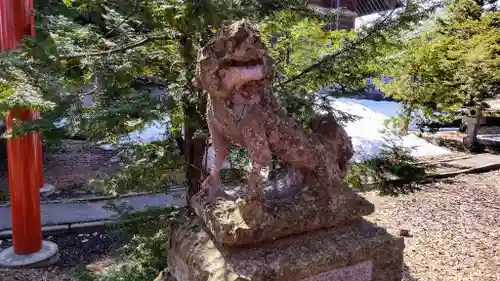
288 210
297 235
291 232
356 251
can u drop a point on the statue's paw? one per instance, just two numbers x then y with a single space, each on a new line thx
217 191
255 188
210 182
211 200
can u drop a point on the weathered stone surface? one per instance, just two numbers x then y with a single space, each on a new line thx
288 210
306 226
236 72
360 251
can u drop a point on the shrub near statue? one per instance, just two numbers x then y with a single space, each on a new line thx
311 226
235 71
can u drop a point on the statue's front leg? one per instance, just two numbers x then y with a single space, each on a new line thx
213 181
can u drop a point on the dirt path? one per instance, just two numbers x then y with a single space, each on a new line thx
455 224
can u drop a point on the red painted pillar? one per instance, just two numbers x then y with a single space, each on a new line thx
17 21
24 191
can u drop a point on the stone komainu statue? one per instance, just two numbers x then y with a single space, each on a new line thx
235 71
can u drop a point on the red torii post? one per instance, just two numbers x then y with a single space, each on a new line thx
24 158
18 21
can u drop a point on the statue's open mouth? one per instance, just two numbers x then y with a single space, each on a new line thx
237 73
242 62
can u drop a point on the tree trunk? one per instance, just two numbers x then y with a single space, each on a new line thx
194 119
194 172
195 146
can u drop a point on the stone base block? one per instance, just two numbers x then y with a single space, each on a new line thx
47 190
287 210
358 251
48 255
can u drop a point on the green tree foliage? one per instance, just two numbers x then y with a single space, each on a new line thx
454 62
98 48
138 248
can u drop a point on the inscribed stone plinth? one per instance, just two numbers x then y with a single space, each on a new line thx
357 251
288 210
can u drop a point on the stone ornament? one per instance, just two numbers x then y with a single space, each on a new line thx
236 73
305 224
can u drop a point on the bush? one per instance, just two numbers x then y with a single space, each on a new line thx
394 171
140 247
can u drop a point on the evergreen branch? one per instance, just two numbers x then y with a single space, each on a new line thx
122 49
350 47
309 12
354 44
118 25
137 7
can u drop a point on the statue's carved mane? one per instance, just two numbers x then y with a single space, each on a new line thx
237 46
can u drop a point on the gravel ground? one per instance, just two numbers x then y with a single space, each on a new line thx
74 250
454 226
71 167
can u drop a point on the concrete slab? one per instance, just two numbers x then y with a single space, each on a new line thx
53 214
71 213
141 203
476 160
47 190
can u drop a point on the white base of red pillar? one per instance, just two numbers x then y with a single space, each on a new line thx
48 255
47 189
